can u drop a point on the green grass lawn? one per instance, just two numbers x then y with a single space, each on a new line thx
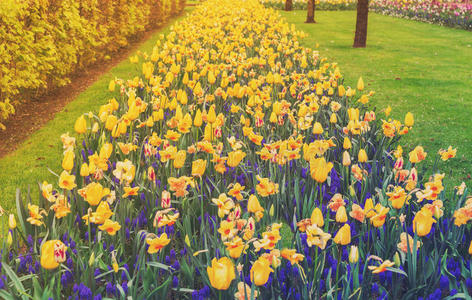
412 66
29 164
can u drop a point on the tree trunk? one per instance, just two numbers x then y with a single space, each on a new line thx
310 16
288 5
360 38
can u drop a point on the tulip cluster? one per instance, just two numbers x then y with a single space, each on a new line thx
237 164
456 13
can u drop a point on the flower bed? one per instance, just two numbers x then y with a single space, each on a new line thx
320 4
239 164
452 14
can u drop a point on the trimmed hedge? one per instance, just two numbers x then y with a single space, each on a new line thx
44 41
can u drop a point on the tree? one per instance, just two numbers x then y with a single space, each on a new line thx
310 16
360 38
288 5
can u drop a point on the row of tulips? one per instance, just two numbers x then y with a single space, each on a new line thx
448 13
237 164
320 4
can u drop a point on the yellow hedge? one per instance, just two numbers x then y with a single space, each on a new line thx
44 41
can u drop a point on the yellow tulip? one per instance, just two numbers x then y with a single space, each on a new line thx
319 169
260 271
362 156
80 125
106 151
360 84
111 122
341 91
9 238
409 119
398 197
369 208
211 116
253 205
11 221
423 222
111 85
317 217
343 237
53 252
333 119
353 254
94 192
84 170
235 157
197 120
198 167
211 77
317 128
68 160
346 159
221 273
470 248
347 143
179 159
341 215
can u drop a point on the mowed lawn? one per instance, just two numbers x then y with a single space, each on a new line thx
412 66
29 165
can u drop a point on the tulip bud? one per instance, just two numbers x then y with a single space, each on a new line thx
9 238
409 120
341 215
111 85
347 143
84 170
333 119
12 221
360 84
114 263
346 159
343 237
470 248
352 192
271 210
80 125
396 259
353 255
211 116
317 217
362 157
317 128
68 160
187 240
95 127
341 91
91 259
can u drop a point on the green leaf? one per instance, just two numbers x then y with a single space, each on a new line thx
15 280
